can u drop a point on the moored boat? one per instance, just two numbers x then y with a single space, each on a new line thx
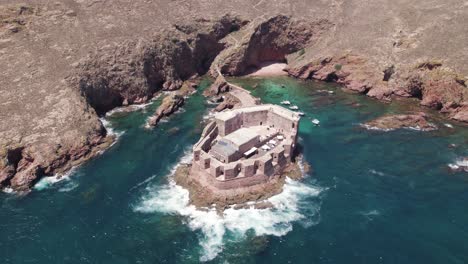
294 107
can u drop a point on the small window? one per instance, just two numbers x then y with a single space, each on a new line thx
261 123
292 125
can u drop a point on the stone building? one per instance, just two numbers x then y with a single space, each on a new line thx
245 146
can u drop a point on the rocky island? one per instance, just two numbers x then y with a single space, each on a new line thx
243 151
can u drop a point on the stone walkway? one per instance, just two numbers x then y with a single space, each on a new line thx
241 94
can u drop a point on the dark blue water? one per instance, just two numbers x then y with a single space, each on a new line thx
373 197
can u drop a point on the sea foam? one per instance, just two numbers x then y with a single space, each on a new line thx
110 129
459 164
292 205
63 182
129 108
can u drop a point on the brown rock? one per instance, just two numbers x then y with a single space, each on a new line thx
228 103
169 105
219 86
391 122
136 69
461 113
269 40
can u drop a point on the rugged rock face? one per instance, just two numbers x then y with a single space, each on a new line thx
268 40
391 122
172 102
352 71
133 71
228 102
22 166
119 52
219 86
437 87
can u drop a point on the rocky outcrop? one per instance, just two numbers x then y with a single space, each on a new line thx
169 105
416 121
219 86
228 102
353 71
133 71
436 86
268 40
21 167
172 102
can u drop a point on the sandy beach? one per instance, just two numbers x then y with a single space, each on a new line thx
270 69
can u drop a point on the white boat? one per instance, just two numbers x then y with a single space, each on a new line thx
286 102
301 113
316 122
294 107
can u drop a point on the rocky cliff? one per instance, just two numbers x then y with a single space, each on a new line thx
132 71
63 63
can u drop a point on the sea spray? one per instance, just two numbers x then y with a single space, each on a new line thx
277 221
460 164
110 129
129 108
63 182
292 205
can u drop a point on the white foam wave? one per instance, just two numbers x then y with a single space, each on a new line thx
129 108
181 110
8 190
110 129
416 128
375 172
448 125
459 165
370 215
369 127
290 206
49 182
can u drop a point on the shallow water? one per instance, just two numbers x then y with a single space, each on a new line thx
373 197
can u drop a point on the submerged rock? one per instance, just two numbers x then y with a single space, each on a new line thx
416 121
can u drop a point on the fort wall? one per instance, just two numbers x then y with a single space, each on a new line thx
237 171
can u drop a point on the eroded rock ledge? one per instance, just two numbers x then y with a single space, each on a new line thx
133 71
436 86
417 121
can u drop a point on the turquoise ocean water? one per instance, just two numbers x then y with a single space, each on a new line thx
372 197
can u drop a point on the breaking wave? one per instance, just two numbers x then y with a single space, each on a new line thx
376 172
129 108
459 165
416 128
110 129
297 203
64 183
8 190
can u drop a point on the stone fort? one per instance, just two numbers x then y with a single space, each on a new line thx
245 146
